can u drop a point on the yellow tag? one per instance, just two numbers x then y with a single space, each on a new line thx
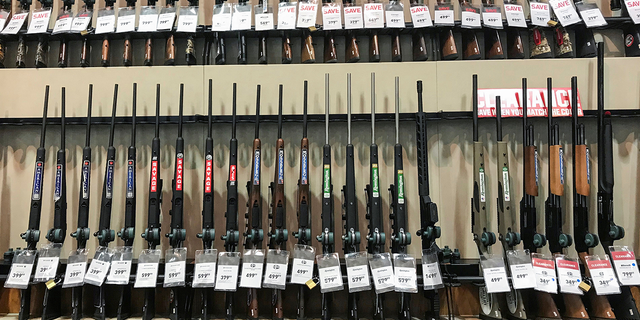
51 283
552 23
584 286
312 29
310 284
84 33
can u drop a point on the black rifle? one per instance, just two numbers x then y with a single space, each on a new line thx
63 53
43 41
400 236
221 48
21 51
127 233
85 51
242 41
326 237
351 236
375 237
232 236
148 43
428 231
152 232
304 202
51 303
104 234
83 233
623 304
32 235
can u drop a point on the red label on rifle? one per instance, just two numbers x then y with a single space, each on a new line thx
179 172
511 100
208 176
154 176
232 173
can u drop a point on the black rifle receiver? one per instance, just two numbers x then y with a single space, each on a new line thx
127 234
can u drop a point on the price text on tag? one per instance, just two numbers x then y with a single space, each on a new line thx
301 271
383 277
540 14
444 15
373 15
165 20
515 15
46 268
286 17
146 275
545 271
421 17
353 18
174 272
565 12
15 24
20 274
331 18
603 277
119 272
97 270
205 273
330 277
227 277
39 21
307 15
74 274
358 276
431 274
496 280
569 276
626 267
276 274
251 275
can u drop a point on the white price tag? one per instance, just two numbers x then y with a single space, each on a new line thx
496 280
353 18
264 21
565 12
81 21
515 15
39 21
406 279
330 277
522 276
444 15
276 274
470 18
395 19
373 15
119 272
569 276
46 267
165 20
19 274
221 22
593 17
63 24
74 274
146 275
205 274
227 277
545 271
97 270
421 17
633 7
174 272
626 267
251 275
148 23
15 24
358 276
241 20
431 274
540 14
307 15
331 18
126 23
286 17
603 277
383 277
301 271
105 24
491 17
187 23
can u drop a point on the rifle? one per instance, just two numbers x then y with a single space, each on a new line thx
63 54
83 233
21 51
254 233
308 52
32 235
152 232
104 234
492 45
623 304
304 201
374 46
545 306
86 49
262 42
148 43
469 41
538 44
221 48
127 233
563 45
330 52
585 43
515 48
480 221
242 43
419 43
448 48
351 235
287 56
326 237
105 52
43 41
352 51
190 50
375 237
127 52
396 52
232 236
278 217
170 45
400 236
428 231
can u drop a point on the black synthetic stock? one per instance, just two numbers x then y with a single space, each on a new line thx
498 119
104 233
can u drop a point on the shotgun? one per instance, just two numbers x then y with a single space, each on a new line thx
262 42
104 234
190 49
42 49
352 50
448 48
105 52
396 48
32 235
538 44
400 236
376 236
170 45
82 234
374 46
624 306
330 52
585 43
254 233
492 45
220 46
232 236
152 232
515 48
419 43
21 50
428 231
469 40
242 43
563 44
85 51
351 235
148 43
63 51
480 221
127 51
326 238
308 51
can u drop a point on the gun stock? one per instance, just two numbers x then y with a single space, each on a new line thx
419 47
538 44
170 51
330 53
396 52
374 47
493 46
287 56
308 52
352 53
514 44
190 51
448 49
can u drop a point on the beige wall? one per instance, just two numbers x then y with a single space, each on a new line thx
447 87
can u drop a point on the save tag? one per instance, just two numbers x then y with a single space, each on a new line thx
633 7
227 277
545 275
19 275
565 12
165 20
373 15
431 274
275 274
515 15
470 17
126 23
286 17
395 19
626 267
46 268
39 21
307 14
74 275
204 274
119 272
146 275
63 24
353 17
492 18
264 21
174 273
421 17
604 279
591 15
444 15
569 276
522 276
15 24
187 23
331 18
148 23
540 14
241 20
496 279
105 24
301 271
251 276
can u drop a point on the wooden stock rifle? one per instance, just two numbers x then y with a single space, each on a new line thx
63 51
105 53
352 50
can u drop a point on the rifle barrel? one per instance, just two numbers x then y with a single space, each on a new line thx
210 119
257 124
397 109
280 89
233 117
180 110
158 111
62 115
43 131
420 96
113 114
89 105
475 107
326 108
373 108
133 114
498 119
304 116
349 108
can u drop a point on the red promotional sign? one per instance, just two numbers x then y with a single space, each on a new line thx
511 102
598 264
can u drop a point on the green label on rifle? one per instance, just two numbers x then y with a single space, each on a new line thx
481 183
374 183
505 183
400 187
327 182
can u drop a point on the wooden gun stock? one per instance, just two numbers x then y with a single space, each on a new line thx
127 52
2 53
21 53
599 305
276 300
84 53
396 52
262 49
530 171
252 304
63 53
170 52
352 53
419 47
148 52
190 51
105 52
308 52
556 181
514 43
287 57
330 53
582 182
546 306
41 53
493 46
470 44
448 50
374 47
538 44
564 47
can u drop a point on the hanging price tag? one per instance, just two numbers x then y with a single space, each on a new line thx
307 14
569 275
97 271
63 24
444 15
146 275
286 16
591 15
221 22
204 274
492 18
302 271
251 274
275 274
241 18
421 17
126 20
166 19
15 24
431 276
46 268
540 14
633 7
19 275
373 15
264 21
406 279
81 21
470 17
39 21
395 19
604 279
565 12
74 275
106 22
174 273
353 17
382 271
522 276
358 277
329 272
545 271
626 266
496 279
227 277
119 272
187 23
515 15
148 21
331 17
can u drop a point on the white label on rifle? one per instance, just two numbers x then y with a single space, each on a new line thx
286 17
148 23
373 15
383 277
187 23
569 276
126 23
39 22
633 7
119 272
431 274
146 275
205 274
19 274
565 12
358 276
626 267
302 270
46 268
165 20
545 271
421 17
395 19
221 22
15 24
492 18
80 23
540 14
74 275
353 17
264 21
174 272
505 184
496 280
593 17
227 278
97 271
603 277
444 17
251 276
406 279
522 276
241 20
105 24
330 277
307 15
515 15
331 18
276 274
63 24
470 18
